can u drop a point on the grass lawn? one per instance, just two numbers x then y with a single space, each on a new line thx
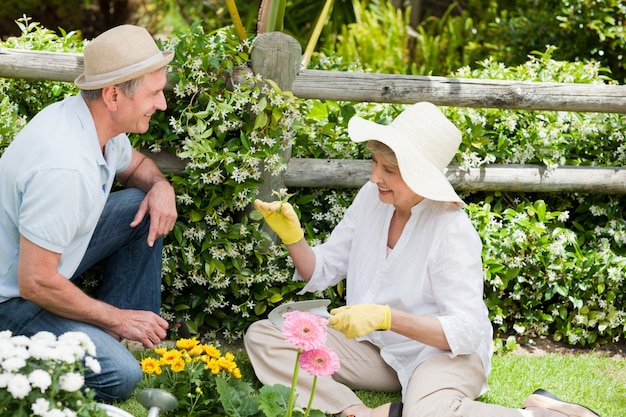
597 381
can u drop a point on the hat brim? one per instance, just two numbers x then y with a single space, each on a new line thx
422 177
84 84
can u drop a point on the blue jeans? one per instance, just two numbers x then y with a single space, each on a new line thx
131 280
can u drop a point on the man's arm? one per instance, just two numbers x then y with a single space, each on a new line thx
40 282
160 201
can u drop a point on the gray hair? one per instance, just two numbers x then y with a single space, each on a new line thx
129 88
375 146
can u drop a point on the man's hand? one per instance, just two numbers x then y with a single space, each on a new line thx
283 220
145 327
160 204
360 319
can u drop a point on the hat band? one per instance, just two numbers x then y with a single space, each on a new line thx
124 71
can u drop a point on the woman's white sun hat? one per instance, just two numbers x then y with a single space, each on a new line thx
120 54
424 142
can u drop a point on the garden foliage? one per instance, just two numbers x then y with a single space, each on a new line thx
554 263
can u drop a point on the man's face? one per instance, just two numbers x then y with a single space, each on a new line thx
134 113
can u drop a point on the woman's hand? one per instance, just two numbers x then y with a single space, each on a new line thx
283 220
360 319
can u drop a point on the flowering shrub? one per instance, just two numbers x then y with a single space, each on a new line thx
190 372
219 266
44 375
554 272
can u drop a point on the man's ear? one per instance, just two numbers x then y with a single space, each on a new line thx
110 96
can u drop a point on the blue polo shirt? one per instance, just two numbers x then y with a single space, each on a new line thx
54 182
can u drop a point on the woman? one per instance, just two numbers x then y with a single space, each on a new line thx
415 319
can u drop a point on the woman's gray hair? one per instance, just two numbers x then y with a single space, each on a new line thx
129 88
375 146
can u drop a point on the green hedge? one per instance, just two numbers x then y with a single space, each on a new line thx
554 263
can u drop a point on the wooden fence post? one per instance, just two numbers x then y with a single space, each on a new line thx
275 56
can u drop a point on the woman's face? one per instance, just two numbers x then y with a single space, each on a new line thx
391 187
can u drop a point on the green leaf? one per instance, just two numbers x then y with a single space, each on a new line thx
273 400
261 121
236 397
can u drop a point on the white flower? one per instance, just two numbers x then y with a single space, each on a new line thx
13 364
69 413
18 386
40 379
54 412
43 338
79 339
71 381
4 379
93 364
40 407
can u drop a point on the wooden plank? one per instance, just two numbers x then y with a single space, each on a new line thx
347 173
380 88
459 92
40 65
310 172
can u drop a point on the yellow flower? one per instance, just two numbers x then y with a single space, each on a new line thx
236 373
150 366
178 365
170 356
226 364
196 350
213 365
186 344
211 351
160 350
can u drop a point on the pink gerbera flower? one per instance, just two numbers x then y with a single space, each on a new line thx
319 362
305 330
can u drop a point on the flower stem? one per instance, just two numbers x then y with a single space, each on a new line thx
294 380
308 407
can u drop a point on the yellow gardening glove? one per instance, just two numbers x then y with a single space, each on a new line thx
282 219
360 319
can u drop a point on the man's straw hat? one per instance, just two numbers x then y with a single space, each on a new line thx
120 54
424 142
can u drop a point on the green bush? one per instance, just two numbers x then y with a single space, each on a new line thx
554 263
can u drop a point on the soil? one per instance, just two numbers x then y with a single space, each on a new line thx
544 346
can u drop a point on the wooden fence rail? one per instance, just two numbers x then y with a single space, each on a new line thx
387 88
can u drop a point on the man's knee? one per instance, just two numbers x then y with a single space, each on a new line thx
118 382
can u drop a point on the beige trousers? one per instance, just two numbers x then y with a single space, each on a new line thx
440 387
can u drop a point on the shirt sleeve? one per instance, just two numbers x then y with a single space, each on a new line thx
457 282
51 221
333 256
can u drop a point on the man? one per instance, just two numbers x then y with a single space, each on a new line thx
58 216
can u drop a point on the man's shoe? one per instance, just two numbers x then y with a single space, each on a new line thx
543 399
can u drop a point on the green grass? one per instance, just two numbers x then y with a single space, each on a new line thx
598 382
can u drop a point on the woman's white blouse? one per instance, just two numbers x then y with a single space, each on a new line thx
435 269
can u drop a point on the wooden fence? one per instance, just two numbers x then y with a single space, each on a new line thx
276 56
